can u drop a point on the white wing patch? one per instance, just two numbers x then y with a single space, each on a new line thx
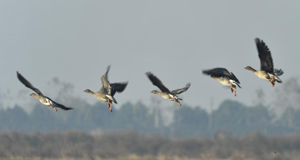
109 97
48 102
271 75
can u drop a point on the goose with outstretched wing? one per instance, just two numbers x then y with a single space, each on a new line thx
108 90
42 98
267 71
225 77
165 92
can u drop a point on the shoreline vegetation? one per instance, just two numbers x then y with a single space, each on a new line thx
131 145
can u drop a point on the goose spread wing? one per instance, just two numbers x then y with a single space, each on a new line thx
278 72
178 91
105 82
155 81
117 87
28 84
217 72
59 105
233 77
264 54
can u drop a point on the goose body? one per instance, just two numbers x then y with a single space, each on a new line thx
42 98
108 90
165 92
225 77
267 71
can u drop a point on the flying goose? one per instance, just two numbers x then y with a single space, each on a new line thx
108 90
42 98
266 72
224 77
165 92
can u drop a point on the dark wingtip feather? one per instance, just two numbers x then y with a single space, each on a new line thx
19 75
261 43
149 74
257 40
207 72
155 81
234 77
278 72
121 86
108 67
63 107
68 108
22 79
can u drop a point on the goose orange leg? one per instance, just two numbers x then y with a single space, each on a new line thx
110 107
107 103
176 101
53 107
272 82
231 88
234 91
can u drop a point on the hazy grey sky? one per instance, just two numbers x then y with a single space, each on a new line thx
76 40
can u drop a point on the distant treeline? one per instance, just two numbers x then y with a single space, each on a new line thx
120 145
231 116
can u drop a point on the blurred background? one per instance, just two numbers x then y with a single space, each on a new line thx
64 47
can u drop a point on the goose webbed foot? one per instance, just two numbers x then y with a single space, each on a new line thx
234 92
176 101
108 104
54 108
272 82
